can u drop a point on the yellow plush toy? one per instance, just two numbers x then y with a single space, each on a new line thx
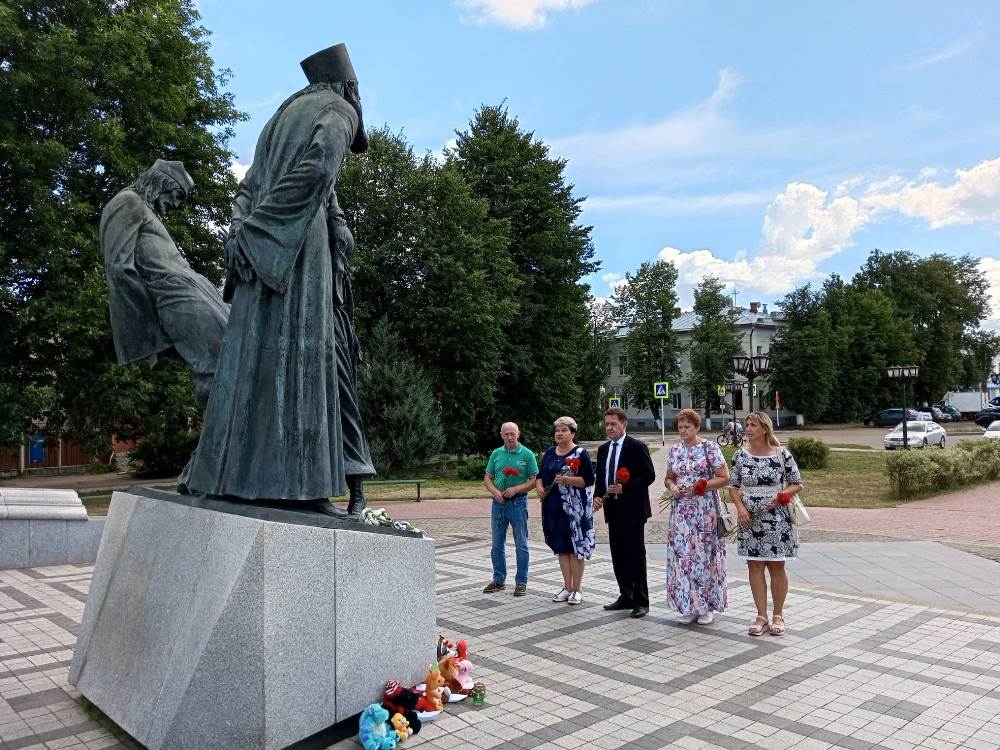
401 726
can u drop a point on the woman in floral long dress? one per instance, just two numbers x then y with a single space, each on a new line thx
565 484
763 481
696 556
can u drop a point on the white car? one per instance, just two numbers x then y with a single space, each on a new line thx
993 431
918 434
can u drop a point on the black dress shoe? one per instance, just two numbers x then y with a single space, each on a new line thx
640 612
617 604
325 506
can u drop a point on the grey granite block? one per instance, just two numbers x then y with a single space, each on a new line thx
47 512
46 542
83 540
370 643
13 544
209 629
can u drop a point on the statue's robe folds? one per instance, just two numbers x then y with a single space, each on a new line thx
157 301
272 429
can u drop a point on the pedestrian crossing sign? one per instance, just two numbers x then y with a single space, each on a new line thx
661 390
614 403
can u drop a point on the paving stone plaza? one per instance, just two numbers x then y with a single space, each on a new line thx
854 672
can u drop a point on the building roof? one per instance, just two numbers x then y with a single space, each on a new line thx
744 319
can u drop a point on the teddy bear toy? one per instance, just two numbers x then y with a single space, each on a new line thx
375 732
448 667
401 726
430 700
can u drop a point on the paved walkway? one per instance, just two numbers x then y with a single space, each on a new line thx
854 673
918 572
970 515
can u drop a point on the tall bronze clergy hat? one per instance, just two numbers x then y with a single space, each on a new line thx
176 172
331 65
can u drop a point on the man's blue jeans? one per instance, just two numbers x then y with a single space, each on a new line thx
513 512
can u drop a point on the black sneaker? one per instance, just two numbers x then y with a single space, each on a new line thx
520 589
493 586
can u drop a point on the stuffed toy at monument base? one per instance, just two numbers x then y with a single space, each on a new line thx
431 698
375 732
464 667
401 700
401 726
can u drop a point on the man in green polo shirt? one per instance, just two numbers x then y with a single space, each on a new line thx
510 473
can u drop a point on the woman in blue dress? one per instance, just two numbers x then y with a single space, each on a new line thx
565 484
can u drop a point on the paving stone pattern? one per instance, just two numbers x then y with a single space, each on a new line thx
854 672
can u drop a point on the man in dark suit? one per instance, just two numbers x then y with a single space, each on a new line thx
626 509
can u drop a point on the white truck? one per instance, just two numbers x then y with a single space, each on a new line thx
967 402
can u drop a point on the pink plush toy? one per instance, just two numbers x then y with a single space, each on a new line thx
464 667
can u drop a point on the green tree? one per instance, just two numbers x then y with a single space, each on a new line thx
714 342
430 260
594 370
546 333
91 93
943 297
979 349
647 303
803 355
402 417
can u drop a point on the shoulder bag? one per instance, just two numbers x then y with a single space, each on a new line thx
725 520
797 510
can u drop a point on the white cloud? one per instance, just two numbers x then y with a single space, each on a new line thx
664 150
240 170
974 196
517 14
613 280
804 226
956 49
991 270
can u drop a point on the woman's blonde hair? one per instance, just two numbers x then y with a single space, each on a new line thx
568 422
763 421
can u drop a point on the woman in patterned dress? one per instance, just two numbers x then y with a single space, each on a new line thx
696 556
766 534
565 484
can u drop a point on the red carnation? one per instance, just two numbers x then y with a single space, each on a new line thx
700 486
622 475
510 471
783 497
573 462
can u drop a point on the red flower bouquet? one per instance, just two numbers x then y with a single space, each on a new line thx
700 486
783 497
622 476
510 471
573 464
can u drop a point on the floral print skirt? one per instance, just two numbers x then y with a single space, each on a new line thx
696 557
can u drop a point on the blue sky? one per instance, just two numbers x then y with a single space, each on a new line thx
768 143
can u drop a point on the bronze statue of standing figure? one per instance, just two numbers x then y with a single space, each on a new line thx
282 423
159 306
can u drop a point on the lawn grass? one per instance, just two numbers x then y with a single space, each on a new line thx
850 480
853 446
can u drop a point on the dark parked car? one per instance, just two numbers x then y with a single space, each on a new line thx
951 414
888 417
932 414
986 416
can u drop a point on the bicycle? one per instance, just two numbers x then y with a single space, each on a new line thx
729 436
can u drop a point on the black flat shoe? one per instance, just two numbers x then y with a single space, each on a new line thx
617 604
640 612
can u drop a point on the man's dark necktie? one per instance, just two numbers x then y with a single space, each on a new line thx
611 464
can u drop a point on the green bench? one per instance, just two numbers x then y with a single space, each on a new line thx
418 482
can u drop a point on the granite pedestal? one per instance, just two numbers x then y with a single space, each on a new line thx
45 527
206 628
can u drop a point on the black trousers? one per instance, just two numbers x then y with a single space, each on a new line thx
628 557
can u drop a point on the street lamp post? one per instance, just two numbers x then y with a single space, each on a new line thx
904 373
752 367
